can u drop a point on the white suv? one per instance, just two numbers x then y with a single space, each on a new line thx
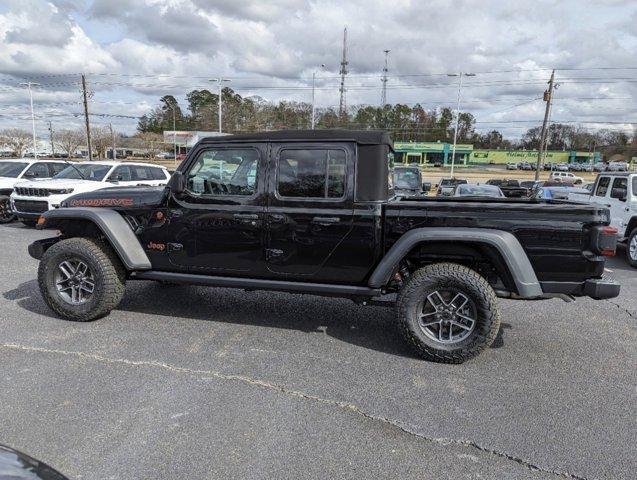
618 192
566 177
13 171
30 199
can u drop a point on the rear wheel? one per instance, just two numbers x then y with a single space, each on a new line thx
81 279
631 248
448 313
6 215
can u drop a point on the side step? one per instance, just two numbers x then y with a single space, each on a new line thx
259 284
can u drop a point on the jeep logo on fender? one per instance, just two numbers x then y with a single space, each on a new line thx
101 202
156 246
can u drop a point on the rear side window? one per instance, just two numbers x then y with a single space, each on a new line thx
120 174
620 186
602 187
157 174
140 173
37 170
311 173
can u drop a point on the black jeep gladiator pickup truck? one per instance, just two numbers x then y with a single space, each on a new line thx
314 212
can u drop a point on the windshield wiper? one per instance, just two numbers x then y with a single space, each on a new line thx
75 168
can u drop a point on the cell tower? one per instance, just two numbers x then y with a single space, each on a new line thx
383 96
342 107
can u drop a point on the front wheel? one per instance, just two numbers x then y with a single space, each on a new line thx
81 279
631 249
6 214
448 313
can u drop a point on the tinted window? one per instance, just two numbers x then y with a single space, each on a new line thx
602 187
56 168
620 187
224 172
311 173
157 173
11 169
37 170
140 173
120 174
409 179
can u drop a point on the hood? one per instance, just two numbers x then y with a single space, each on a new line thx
57 183
8 182
125 197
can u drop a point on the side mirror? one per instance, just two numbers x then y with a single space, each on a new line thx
177 183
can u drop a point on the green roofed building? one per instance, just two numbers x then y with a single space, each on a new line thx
439 153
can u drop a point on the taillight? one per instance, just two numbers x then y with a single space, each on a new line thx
607 241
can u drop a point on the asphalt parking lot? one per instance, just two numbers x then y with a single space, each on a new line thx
189 382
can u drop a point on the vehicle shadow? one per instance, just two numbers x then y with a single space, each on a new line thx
371 327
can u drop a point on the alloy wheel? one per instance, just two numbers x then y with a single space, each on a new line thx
74 281
447 316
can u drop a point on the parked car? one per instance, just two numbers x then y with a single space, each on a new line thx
474 190
531 185
512 166
408 182
320 219
562 192
599 167
618 191
30 199
562 176
16 171
586 167
574 167
447 186
548 166
510 188
525 166
617 167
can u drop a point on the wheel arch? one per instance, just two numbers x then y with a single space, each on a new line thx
502 248
92 222
632 224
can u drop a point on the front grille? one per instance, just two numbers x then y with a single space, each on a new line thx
32 192
26 206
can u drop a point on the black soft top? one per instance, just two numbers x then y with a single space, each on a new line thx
361 137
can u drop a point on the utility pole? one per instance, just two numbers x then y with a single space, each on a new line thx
455 130
342 107
86 120
313 101
548 98
51 139
35 146
114 155
220 81
383 96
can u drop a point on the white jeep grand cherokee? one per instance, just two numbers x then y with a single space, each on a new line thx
30 199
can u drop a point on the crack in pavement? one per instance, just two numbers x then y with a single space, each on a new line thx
630 314
296 394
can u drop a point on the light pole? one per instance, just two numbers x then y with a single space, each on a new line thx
220 81
29 85
313 102
455 132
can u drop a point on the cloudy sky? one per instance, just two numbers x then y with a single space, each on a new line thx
134 51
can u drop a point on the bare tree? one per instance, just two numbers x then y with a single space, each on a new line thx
16 139
153 143
101 138
69 140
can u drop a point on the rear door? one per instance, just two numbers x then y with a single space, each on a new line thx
619 210
310 208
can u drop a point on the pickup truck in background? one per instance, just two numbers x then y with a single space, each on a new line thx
447 186
408 182
617 191
313 212
510 188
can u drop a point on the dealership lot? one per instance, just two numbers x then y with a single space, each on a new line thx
188 382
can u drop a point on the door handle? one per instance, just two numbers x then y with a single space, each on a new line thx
246 216
326 220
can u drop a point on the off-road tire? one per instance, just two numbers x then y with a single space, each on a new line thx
448 275
5 207
631 261
108 273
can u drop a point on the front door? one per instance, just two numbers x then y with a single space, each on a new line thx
216 225
310 209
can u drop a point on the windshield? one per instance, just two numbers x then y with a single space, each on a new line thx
85 171
478 191
11 169
404 178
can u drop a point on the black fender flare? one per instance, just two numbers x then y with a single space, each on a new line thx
506 243
114 227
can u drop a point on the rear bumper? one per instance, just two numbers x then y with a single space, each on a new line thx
597 288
